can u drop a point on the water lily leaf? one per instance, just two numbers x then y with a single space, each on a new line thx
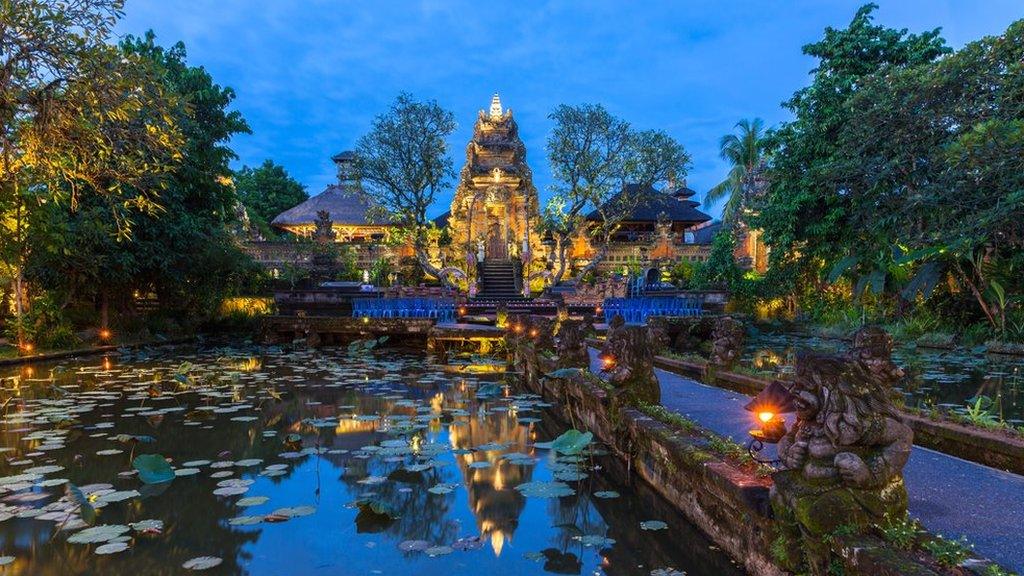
545 489
111 548
653 525
202 563
488 391
129 438
153 468
572 442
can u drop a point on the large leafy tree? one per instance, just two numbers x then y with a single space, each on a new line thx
807 207
183 251
943 192
403 161
266 191
745 151
80 122
593 154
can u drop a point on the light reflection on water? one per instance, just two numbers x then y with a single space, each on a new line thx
227 414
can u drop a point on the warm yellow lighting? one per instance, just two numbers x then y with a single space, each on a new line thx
765 417
462 310
28 347
105 334
607 361
534 333
366 319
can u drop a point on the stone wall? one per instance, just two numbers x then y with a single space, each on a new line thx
726 501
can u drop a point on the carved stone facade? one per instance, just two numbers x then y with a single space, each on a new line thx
495 208
571 346
842 460
726 342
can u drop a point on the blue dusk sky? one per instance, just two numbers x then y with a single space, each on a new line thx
311 75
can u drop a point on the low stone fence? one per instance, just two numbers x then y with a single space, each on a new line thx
725 497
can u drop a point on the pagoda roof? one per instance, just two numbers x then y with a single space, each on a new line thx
655 202
345 207
706 235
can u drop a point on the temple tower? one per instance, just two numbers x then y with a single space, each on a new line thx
495 207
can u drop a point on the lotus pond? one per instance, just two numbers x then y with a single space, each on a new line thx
245 460
947 379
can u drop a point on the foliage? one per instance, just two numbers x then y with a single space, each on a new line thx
183 254
44 325
746 154
266 191
404 163
928 216
593 154
949 553
901 532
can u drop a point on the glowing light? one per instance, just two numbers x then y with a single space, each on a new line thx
534 333
105 334
28 347
366 319
607 361
462 310
765 416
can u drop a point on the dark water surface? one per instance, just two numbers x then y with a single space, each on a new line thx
947 379
289 442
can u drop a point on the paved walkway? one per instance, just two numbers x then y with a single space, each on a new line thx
950 496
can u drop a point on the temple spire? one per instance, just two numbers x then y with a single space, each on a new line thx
495 106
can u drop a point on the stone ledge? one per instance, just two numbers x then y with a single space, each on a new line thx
974 444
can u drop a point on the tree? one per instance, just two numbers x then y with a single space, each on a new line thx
182 252
593 155
403 161
943 192
267 191
79 121
806 208
745 151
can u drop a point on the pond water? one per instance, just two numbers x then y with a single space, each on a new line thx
306 462
947 379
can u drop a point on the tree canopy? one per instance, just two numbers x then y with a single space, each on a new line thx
593 154
266 191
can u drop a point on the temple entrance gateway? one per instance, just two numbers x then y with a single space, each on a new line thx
495 208
497 247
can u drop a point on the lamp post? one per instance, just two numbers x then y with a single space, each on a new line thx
768 407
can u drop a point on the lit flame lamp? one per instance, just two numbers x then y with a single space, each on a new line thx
104 334
534 333
769 406
607 362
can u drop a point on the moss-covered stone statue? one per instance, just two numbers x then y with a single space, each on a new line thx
842 460
542 332
571 346
872 346
628 360
726 343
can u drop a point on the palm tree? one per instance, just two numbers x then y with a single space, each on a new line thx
745 150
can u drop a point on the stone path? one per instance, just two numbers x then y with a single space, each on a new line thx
950 496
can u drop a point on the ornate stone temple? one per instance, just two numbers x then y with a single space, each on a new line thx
495 208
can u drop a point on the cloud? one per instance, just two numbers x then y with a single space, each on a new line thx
311 75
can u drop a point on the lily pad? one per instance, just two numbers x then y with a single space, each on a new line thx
202 563
153 468
539 489
572 442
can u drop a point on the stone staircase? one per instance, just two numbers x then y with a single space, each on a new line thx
497 280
